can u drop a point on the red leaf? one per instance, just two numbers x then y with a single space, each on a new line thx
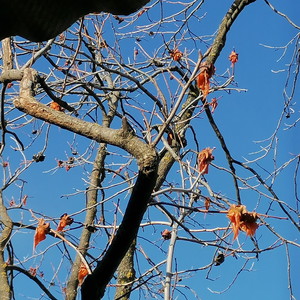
64 221
233 57
176 54
54 105
213 104
243 220
203 83
166 234
82 273
40 232
204 159
207 203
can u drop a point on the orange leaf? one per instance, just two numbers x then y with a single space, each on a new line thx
248 223
82 273
213 104
40 232
249 227
207 203
243 220
205 157
203 83
233 57
170 138
54 105
64 221
142 11
176 54
166 234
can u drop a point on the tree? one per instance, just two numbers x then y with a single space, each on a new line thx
120 126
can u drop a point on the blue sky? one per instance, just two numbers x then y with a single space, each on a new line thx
243 117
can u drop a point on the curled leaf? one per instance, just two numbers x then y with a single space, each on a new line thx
213 104
166 234
207 203
170 138
203 79
176 54
38 157
243 220
219 259
83 272
54 105
205 157
40 232
233 57
64 221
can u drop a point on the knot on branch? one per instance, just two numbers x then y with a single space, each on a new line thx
11 75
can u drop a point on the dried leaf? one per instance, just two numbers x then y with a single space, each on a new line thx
142 11
233 57
166 234
176 54
38 157
248 223
68 167
82 273
40 232
203 83
219 259
64 221
213 104
207 203
32 271
54 105
60 163
24 199
170 138
243 220
119 19
205 157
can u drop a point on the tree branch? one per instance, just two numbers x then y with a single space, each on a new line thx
34 278
6 224
95 284
121 138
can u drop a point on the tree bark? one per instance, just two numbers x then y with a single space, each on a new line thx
6 224
126 274
91 204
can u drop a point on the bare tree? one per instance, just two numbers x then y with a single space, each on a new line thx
117 103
